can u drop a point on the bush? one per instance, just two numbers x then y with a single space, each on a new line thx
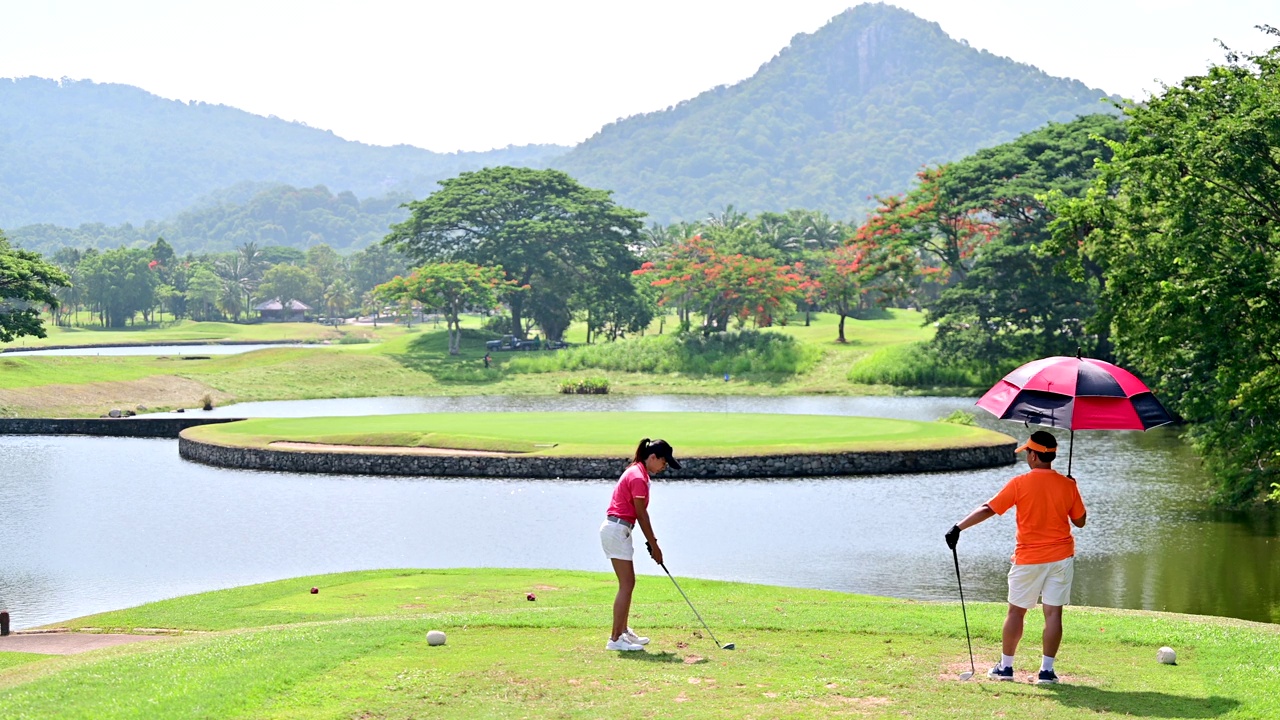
498 325
585 386
960 417
738 353
911 365
350 339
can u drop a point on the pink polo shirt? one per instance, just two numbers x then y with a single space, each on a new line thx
633 484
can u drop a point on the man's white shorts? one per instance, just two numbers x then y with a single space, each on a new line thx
615 538
1049 581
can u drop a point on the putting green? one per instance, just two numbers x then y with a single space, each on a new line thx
605 434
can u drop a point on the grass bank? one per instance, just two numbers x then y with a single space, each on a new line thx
613 434
357 650
785 360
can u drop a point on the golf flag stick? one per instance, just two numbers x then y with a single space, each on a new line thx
972 670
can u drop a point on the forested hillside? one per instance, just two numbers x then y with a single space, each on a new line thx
82 152
849 111
263 214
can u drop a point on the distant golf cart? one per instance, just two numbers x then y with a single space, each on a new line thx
511 343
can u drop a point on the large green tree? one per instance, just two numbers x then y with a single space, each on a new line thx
120 283
27 284
529 222
447 288
1016 302
287 283
1185 222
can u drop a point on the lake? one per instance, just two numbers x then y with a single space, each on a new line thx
94 524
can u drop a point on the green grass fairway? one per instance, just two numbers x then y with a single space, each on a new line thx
613 434
358 650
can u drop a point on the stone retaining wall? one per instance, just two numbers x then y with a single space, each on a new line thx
108 427
816 465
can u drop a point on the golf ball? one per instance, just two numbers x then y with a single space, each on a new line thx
1167 656
435 637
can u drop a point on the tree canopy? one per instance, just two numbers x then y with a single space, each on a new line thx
27 285
542 227
1184 223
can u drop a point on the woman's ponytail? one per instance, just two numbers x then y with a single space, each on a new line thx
642 451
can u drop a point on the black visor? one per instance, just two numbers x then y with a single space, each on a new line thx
662 449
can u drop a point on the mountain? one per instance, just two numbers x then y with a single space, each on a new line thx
75 152
249 212
851 110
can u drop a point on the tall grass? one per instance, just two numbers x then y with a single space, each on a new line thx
911 365
736 353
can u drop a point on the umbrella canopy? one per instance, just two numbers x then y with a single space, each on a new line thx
1075 393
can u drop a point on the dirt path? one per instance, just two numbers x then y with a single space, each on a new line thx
66 643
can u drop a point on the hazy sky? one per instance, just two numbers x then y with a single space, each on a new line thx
453 75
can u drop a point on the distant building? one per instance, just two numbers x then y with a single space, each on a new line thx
275 310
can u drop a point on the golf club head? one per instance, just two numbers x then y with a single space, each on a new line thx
966 675
727 646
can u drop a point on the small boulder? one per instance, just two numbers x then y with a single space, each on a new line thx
114 413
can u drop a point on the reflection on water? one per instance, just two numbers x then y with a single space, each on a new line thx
92 524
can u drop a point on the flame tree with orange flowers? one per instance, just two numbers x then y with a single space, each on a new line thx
943 230
697 277
854 276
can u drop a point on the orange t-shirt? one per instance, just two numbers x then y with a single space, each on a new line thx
1045 499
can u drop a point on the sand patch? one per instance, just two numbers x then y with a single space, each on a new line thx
383 449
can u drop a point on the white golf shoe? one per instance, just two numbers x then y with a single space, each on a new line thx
622 644
631 637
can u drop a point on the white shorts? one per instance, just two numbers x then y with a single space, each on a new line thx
615 538
1049 581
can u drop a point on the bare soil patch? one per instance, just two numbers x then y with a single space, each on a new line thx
158 392
66 643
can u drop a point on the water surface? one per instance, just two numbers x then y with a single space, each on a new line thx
93 524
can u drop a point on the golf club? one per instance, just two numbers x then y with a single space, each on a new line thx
964 675
729 646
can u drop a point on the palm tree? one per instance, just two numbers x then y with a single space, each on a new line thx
338 297
728 219
229 301
242 271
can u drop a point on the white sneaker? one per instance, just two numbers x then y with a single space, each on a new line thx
631 637
622 644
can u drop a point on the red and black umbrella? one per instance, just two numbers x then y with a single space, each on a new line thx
1075 393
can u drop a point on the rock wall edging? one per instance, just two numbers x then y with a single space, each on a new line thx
105 427
587 468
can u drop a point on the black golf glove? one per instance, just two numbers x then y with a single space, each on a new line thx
953 536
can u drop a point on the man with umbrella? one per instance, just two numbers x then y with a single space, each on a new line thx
1043 558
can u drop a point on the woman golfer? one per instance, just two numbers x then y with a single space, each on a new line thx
629 506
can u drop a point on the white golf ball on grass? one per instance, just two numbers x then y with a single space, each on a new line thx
435 637
1167 656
